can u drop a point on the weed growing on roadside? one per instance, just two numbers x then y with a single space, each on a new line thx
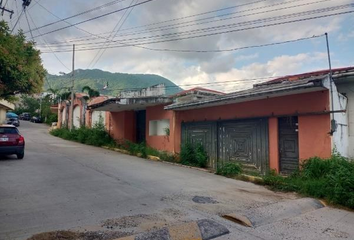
331 179
193 155
229 169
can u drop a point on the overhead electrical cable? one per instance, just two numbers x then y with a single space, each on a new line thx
94 18
121 23
197 21
55 55
225 26
29 26
82 13
84 38
212 34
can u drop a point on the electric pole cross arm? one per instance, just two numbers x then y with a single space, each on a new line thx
3 9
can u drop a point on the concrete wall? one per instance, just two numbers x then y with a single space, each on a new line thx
161 142
122 125
314 139
4 107
348 90
157 90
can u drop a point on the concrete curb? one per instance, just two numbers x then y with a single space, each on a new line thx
157 159
275 212
204 229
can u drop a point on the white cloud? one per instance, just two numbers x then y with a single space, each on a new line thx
193 68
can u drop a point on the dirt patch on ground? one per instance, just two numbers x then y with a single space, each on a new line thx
69 235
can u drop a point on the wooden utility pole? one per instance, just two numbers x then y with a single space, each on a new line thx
71 114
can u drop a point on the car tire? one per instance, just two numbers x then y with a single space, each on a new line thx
20 156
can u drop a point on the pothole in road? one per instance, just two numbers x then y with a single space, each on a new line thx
204 200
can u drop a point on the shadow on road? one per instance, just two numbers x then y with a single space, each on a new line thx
8 158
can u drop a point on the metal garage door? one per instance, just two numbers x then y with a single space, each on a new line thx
204 133
246 142
243 141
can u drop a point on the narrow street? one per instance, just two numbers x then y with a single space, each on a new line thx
62 185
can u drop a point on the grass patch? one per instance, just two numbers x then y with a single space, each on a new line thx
229 169
331 179
193 155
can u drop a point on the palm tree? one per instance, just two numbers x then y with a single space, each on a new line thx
91 92
54 92
65 96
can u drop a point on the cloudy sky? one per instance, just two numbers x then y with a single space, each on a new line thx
163 37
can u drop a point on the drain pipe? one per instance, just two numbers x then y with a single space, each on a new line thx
333 121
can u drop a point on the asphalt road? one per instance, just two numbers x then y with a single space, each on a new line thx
63 185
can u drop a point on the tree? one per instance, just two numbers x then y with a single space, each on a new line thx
91 92
28 104
21 69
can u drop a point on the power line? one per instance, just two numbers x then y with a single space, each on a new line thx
18 19
121 25
234 81
82 13
47 44
195 22
212 34
29 27
94 18
225 26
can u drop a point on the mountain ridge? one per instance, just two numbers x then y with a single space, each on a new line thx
97 79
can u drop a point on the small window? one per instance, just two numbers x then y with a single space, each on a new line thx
159 127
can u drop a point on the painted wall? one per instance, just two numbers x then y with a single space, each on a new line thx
96 116
314 138
310 128
161 142
273 141
348 90
77 116
122 125
340 139
4 107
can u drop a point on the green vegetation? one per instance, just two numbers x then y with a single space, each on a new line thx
96 136
193 155
33 106
229 169
21 69
331 179
97 79
91 92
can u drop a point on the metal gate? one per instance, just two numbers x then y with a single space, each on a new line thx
246 142
205 134
288 144
243 141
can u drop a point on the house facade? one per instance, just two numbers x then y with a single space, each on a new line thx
275 125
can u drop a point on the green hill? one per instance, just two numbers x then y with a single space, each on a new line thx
117 82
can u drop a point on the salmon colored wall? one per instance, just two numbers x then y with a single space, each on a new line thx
122 125
314 139
286 105
164 143
273 144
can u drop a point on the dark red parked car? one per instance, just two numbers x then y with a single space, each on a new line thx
11 142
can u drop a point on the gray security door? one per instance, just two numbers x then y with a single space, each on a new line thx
203 133
243 141
288 144
246 142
